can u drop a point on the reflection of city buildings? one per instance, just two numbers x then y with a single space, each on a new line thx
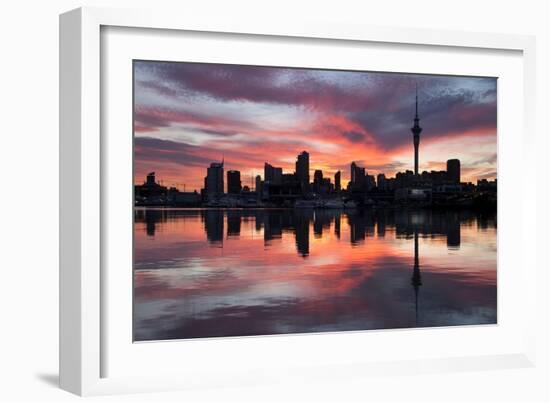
356 227
337 223
213 225
150 217
322 220
430 223
416 280
233 223
361 226
302 220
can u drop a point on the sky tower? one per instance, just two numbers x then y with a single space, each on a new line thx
416 130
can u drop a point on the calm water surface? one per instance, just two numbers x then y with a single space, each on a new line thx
211 273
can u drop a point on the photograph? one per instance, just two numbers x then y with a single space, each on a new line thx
275 200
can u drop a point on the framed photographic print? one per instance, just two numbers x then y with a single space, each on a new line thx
272 200
245 203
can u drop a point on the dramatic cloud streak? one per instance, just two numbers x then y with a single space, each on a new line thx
189 114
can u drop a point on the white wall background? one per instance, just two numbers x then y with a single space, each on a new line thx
29 197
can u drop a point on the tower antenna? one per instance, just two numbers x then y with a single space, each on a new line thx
416 130
416 101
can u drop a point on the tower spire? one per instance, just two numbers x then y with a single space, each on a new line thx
416 130
416 103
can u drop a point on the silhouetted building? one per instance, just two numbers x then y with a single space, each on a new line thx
259 185
416 130
357 175
485 185
283 187
302 170
150 181
381 182
453 171
370 183
273 174
289 178
213 183
150 190
434 178
317 180
337 181
404 179
234 182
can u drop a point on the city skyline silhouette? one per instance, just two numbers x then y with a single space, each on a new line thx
188 115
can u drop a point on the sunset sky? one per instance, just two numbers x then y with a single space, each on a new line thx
188 115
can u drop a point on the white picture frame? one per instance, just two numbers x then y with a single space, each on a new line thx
85 345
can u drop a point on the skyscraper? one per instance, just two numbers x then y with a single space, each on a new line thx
214 180
302 170
453 171
317 180
357 175
416 130
353 171
337 181
234 182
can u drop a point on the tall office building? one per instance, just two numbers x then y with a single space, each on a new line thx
302 170
337 181
234 182
416 130
357 175
453 171
353 170
213 183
